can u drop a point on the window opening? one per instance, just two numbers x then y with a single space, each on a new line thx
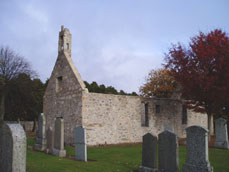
184 115
67 46
62 42
146 114
58 83
158 109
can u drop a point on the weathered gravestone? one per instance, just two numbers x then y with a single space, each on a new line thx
168 156
169 128
80 144
58 149
50 140
221 134
197 150
149 154
12 148
41 135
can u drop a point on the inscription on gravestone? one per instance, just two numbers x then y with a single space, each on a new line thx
168 152
50 140
149 153
58 149
41 135
197 150
12 148
80 144
221 134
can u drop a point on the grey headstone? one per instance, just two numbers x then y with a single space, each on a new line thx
12 148
58 149
50 140
197 150
168 152
149 153
41 135
80 144
169 128
221 134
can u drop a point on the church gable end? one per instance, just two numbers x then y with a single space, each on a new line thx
63 95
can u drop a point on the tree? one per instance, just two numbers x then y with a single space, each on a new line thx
95 88
11 65
202 69
159 83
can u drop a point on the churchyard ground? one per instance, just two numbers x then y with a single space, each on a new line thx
109 159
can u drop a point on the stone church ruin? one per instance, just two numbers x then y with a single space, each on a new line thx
107 118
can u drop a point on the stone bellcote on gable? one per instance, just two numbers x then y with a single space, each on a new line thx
65 42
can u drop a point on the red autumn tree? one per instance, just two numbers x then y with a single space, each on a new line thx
202 69
159 83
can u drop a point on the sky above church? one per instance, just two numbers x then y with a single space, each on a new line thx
114 42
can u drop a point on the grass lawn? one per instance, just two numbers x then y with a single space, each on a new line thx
109 159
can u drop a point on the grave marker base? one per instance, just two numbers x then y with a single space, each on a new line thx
147 169
60 153
192 168
223 145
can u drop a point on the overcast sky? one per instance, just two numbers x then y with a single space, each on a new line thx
114 42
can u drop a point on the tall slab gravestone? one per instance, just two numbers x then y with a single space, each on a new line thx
58 149
197 150
12 148
168 156
221 134
80 144
149 154
41 135
50 140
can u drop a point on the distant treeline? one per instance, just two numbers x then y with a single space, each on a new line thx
24 98
95 88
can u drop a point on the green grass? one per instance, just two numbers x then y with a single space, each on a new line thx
109 159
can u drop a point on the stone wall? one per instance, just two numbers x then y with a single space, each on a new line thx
113 119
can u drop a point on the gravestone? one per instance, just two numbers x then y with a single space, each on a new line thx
197 150
41 135
169 128
50 140
221 134
12 148
168 156
58 149
80 144
149 154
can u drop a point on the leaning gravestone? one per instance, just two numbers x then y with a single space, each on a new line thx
80 144
149 154
41 135
50 140
221 134
168 152
12 148
197 150
58 149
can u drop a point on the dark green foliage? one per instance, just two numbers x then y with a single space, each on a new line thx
95 88
24 100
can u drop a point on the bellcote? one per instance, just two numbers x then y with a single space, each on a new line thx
65 41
